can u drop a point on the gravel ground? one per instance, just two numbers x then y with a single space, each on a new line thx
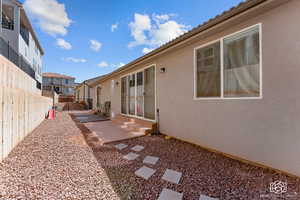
60 161
54 162
204 172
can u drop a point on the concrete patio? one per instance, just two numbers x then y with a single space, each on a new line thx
107 131
111 131
88 116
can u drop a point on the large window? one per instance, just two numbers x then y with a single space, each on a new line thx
230 67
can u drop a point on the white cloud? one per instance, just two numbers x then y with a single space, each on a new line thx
155 31
167 31
63 44
118 65
138 27
103 64
95 45
50 15
147 50
114 27
75 60
161 18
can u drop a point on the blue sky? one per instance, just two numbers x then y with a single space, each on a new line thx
66 27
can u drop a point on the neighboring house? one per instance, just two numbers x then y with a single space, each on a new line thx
63 84
18 41
22 107
230 85
84 92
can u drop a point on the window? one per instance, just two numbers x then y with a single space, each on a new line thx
230 67
241 64
208 71
8 17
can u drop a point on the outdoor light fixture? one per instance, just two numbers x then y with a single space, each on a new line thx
117 83
162 70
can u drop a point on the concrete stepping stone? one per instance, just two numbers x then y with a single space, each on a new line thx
137 148
168 194
204 197
131 156
144 172
150 160
172 176
121 146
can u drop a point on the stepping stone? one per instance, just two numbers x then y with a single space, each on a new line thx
172 176
144 172
131 156
137 148
203 197
150 160
167 194
121 146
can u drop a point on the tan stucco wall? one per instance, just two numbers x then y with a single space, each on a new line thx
263 130
107 93
22 106
83 92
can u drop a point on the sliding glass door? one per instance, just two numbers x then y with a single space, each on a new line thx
124 95
131 81
138 94
149 93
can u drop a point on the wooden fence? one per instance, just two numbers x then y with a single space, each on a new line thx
22 108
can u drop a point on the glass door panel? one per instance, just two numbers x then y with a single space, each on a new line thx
124 95
98 97
140 94
149 93
131 100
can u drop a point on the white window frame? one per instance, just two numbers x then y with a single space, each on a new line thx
221 40
155 98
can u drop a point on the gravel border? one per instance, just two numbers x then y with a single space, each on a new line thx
203 172
54 162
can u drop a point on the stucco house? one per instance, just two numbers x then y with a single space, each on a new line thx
63 84
230 85
85 92
18 41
